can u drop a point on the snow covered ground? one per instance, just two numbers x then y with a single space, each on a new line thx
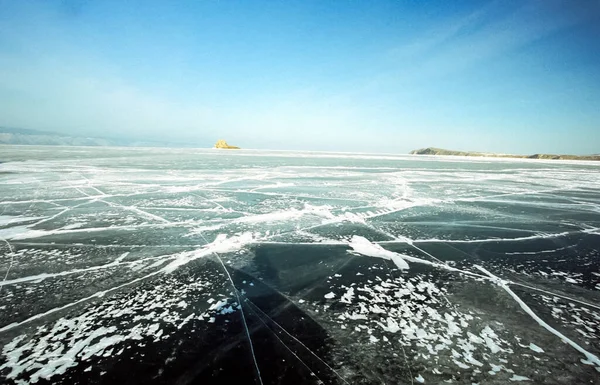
122 265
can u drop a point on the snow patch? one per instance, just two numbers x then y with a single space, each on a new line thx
535 348
362 245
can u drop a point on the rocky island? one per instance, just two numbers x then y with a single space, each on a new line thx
441 151
223 145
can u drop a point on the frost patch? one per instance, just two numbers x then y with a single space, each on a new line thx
53 349
363 246
535 348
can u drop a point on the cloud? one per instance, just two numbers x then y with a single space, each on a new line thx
484 34
59 94
50 79
57 97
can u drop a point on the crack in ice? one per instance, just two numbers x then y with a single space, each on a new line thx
591 359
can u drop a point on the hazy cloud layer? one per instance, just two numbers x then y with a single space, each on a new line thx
465 78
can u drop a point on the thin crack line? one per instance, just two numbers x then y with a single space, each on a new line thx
301 343
12 258
237 294
283 343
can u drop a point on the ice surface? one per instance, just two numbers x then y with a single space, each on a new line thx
296 267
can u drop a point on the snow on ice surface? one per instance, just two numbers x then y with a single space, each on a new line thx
535 348
363 246
56 347
117 253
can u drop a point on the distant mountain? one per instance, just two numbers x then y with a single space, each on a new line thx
9 135
441 151
24 131
22 136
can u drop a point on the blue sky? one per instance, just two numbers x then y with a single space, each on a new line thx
387 76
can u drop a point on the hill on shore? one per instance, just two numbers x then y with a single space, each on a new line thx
441 151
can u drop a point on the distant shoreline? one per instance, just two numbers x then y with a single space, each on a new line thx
417 153
441 151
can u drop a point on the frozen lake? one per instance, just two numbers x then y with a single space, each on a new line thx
181 266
